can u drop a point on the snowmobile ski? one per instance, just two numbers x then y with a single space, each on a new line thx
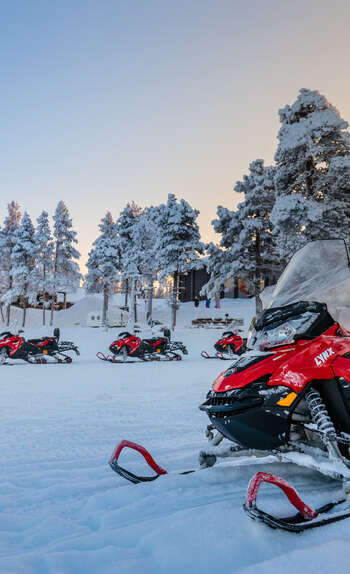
144 359
218 355
306 517
113 359
134 478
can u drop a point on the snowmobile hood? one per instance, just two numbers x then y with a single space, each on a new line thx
250 366
292 366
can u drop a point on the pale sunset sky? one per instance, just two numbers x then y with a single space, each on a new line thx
105 102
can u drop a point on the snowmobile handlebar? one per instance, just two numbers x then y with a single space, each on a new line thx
113 463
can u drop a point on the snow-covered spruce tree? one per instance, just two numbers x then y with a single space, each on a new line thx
179 245
66 274
8 237
144 261
219 266
125 224
336 210
312 141
44 260
23 266
248 245
255 251
104 263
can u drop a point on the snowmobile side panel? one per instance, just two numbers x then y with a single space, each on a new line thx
341 366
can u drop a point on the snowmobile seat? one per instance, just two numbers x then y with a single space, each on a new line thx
5 335
227 334
124 334
152 341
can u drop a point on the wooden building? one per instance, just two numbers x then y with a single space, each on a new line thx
191 283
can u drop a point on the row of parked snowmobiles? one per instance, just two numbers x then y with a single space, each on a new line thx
287 397
127 348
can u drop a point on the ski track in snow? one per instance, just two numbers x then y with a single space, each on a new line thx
63 510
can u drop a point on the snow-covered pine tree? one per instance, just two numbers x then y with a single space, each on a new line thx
23 266
312 141
44 260
66 274
104 263
125 224
8 237
178 244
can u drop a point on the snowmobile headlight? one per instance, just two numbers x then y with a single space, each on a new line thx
281 335
284 333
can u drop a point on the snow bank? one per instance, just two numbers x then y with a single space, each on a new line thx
63 510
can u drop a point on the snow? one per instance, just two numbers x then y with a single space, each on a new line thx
64 511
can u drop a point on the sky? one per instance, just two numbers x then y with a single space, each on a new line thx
105 102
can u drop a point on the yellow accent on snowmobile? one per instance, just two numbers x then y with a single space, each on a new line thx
287 401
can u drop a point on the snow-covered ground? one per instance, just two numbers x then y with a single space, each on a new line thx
63 510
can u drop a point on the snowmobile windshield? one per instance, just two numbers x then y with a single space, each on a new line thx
318 272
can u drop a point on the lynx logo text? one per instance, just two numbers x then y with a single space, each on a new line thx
323 357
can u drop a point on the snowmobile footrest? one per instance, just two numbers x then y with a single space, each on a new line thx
305 519
113 463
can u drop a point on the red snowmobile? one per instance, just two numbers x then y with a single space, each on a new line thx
288 397
131 348
230 345
35 351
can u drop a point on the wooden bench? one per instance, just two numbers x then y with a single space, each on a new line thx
217 322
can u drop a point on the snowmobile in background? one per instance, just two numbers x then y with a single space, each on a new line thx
287 399
129 348
36 351
230 345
